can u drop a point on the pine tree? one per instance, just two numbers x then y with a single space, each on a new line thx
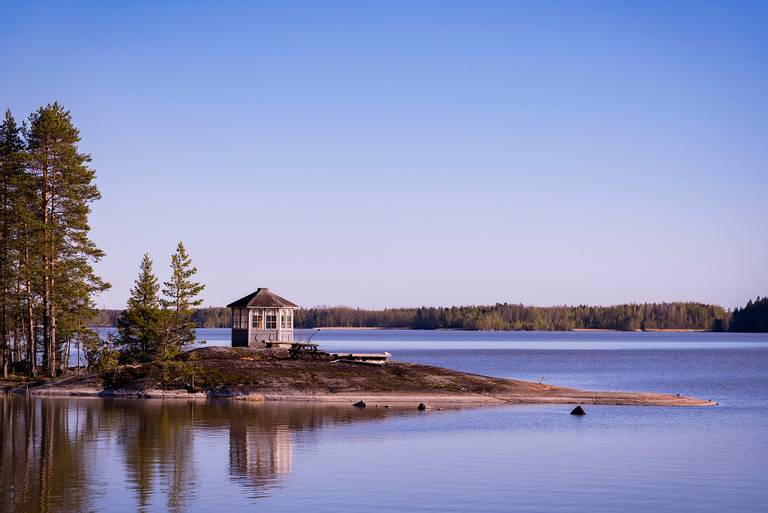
140 325
29 266
180 298
11 179
65 190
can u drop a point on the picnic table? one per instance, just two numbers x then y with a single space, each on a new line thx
301 350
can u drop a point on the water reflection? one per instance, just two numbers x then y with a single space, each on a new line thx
257 457
89 454
43 456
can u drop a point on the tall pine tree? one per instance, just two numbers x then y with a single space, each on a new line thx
65 191
11 180
180 298
141 324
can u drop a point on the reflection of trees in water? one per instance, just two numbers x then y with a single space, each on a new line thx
44 450
157 439
50 447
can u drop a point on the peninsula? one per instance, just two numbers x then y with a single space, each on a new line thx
272 375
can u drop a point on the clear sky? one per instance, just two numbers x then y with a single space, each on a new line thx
416 153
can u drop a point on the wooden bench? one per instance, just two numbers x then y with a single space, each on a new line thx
278 345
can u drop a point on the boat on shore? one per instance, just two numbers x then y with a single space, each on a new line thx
363 358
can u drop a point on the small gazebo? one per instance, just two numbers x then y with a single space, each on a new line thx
262 319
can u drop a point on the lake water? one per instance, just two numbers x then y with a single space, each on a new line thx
131 455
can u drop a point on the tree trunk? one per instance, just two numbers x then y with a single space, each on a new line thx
65 356
17 336
49 347
31 340
4 277
5 351
54 365
3 324
46 325
29 323
46 276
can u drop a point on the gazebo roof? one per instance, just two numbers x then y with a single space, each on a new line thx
262 298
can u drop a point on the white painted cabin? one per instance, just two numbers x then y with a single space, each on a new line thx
262 318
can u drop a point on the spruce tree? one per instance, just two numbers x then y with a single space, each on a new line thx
65 190
140 325
180 297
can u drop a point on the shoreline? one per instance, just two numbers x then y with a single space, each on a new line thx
579 397
405 328
574 330
271 375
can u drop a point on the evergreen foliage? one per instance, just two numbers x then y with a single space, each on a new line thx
100 354
47 282
64 191
154 327
503 316
212 317
181 296
752 318
140 325
11 182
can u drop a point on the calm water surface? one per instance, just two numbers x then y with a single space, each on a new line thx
130 455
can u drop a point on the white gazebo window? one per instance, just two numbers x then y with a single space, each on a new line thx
256 318
286 320
270 321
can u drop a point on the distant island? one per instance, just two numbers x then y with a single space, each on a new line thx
753 317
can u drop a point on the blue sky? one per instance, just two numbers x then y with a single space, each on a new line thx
416 153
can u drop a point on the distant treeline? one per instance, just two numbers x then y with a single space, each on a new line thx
504 316
752 318
214 317
105 317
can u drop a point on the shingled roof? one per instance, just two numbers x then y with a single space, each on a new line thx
262 298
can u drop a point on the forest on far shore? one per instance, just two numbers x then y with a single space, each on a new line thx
753 317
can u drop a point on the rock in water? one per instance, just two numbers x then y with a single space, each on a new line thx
578 411
421 407
359 404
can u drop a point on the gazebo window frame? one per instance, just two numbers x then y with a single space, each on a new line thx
257 319
286 319
270 320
